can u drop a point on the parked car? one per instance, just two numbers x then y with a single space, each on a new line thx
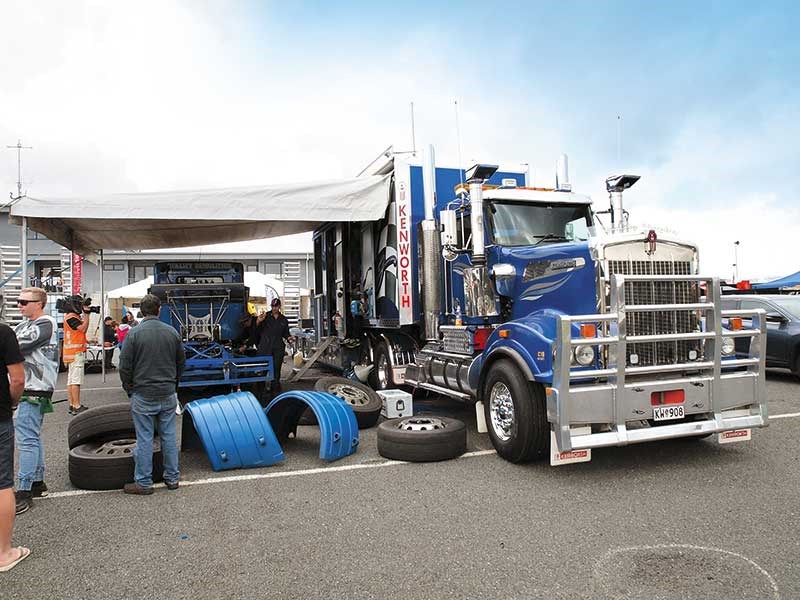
783 327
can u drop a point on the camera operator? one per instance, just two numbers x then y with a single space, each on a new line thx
76 322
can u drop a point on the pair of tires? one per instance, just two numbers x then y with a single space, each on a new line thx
365 402
101 442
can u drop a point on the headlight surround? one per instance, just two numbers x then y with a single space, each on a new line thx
727 346
584 355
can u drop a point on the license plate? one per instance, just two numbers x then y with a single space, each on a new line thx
668 413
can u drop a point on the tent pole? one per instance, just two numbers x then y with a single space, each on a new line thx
23 259
102 316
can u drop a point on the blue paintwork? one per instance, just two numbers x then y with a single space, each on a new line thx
215 365
210 363
531 339
235 432
573 292
337 422
446 181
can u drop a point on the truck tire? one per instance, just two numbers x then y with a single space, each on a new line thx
112 420
380 378
422 439
365 402
108 465
516 414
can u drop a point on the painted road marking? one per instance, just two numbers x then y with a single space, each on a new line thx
613 553
257 476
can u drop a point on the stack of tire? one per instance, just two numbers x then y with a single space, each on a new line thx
415 439
101 442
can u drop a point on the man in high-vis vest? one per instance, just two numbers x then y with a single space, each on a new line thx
74 356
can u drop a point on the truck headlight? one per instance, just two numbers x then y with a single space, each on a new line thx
727 346
584 355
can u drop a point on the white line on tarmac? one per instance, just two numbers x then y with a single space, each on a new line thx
784 416
256 476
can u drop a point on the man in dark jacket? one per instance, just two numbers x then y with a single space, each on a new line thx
272 329
150 366
110 340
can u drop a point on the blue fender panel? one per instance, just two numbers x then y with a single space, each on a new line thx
235 431
338 428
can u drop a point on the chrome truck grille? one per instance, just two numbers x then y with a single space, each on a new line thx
660 322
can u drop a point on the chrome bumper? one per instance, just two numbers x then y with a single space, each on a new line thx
722 395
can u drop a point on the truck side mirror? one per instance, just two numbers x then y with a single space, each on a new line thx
449 228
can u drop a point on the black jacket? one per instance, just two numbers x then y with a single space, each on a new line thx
152 359
271 332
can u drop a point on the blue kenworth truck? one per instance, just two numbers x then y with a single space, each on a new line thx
567 328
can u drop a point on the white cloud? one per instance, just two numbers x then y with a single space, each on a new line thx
171 95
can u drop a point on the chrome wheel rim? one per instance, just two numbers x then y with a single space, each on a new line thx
501 411
350 394
421 424
383 372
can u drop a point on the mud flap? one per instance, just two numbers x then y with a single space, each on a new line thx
337 423
234 431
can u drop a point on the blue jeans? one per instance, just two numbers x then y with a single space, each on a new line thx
145 411
29 445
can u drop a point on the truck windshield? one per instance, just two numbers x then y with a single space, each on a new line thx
527 223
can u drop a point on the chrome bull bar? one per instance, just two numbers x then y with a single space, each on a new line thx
728 394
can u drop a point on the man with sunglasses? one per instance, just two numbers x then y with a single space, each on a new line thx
38 342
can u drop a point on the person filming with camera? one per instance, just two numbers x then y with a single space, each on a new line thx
76 322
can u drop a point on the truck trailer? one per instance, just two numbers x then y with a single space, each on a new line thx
567 328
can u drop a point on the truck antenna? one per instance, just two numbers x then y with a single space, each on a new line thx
619 141
19 148
458 141
413 136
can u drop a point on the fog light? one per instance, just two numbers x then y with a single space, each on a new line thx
634 359
727 346
584 355
692 354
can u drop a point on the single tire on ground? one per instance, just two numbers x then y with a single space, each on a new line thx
380 378
516 414
109 464
422 438
365 402
101 422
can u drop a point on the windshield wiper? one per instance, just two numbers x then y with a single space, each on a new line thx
549 236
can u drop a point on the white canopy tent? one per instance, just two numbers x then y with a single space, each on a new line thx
87 225
178 219
261 286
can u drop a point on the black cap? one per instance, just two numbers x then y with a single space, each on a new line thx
275 302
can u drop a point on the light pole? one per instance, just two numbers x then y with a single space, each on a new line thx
736 261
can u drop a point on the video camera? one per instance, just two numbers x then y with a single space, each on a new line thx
76 304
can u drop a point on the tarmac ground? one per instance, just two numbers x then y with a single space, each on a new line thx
676 519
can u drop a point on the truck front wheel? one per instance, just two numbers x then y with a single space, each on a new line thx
516 414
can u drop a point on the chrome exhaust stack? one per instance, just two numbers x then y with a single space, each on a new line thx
616 184
478 291
430 265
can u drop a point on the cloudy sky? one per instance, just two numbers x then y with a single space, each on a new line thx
146 96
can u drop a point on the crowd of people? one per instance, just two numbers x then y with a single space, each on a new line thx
151 362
